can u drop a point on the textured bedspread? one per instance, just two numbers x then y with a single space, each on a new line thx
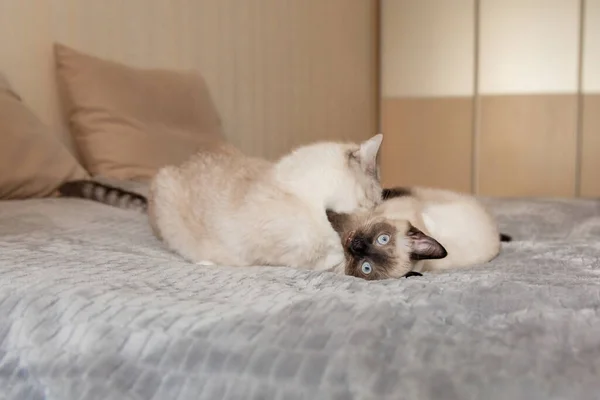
93 307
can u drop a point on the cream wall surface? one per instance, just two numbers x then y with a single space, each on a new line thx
591 47
282 72
528 46
427 48
427 85
528 81
495 97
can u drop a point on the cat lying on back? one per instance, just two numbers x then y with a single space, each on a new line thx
379 247
225 208
417 230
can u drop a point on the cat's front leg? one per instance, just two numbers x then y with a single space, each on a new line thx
332 255
330 261
205 263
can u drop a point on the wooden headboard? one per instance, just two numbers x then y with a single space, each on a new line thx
282 73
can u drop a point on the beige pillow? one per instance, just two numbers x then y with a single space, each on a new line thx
128 122
33 162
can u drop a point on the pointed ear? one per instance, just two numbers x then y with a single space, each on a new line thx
424 247
339 221
367 153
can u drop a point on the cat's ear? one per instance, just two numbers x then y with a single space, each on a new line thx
367 153
424 247
339 221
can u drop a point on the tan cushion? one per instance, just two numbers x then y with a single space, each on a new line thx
128 122
33 162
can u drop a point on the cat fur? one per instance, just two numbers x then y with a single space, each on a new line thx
226 208
432 230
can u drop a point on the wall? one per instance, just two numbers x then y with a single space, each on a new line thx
427 83
495 97
282 72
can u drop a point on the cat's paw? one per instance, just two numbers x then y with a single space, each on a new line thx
205 262
331 261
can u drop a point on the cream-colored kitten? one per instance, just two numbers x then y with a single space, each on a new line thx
416 230
381 247
458 221
226 208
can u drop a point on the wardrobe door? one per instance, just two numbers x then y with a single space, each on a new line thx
427 82
528 83
590 145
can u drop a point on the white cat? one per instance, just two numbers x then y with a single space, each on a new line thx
458 221
417 230
225 208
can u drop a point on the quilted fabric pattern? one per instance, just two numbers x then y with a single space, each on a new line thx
93 307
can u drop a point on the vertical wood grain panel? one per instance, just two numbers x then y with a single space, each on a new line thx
528 83
282 72
528 145
590 149
25 53
590 102
431 142
427 86
591 47
590 113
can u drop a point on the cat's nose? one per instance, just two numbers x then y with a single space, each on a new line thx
358 246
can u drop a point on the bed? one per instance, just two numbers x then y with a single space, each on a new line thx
94 307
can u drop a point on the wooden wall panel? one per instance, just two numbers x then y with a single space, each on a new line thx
528 83
536 88
590 102
282 72
591 47
528 145
428 142
590 149
427 84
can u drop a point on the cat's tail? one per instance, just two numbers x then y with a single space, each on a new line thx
102 193
505 238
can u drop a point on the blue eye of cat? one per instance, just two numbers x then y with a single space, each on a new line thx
383 239
366 268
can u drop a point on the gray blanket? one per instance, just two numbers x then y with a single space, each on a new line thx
93 307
